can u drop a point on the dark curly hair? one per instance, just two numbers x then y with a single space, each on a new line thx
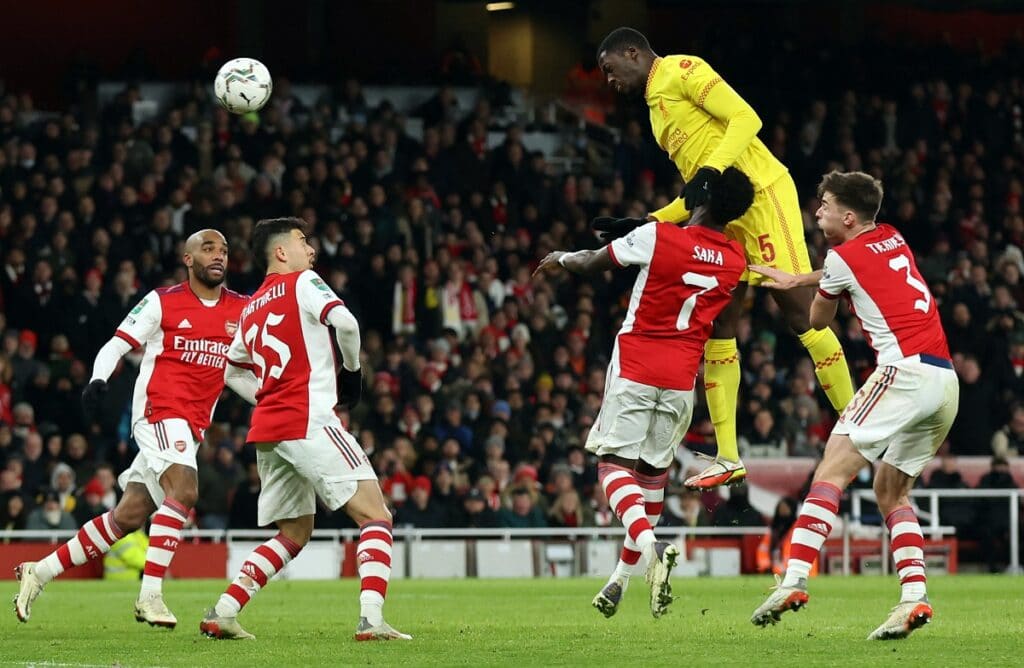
732 193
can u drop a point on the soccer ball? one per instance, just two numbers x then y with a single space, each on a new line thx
243 85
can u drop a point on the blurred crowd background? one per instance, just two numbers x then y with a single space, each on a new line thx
481 381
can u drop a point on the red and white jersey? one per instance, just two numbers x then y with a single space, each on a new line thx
687 276
283 337
897 312
182 371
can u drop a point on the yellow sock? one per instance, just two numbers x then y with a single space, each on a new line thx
829 365
722 385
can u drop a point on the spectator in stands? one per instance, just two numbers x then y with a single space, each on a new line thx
12 512
420 510
523 512
475 513
62 484
737 511
994 515
50 516
972 432
567 511
89 503
958 513
1009 440
244 503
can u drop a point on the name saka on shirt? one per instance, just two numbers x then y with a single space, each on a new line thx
709 255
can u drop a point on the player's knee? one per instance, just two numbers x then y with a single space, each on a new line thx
187 495
131 513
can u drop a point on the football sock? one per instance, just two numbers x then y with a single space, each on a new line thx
259 567
626 498
829 366
373 555
908 552
164 536
92 541
812 527
722 386
653 489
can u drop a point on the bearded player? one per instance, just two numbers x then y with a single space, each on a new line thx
186 329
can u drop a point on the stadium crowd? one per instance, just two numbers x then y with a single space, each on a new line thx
481 380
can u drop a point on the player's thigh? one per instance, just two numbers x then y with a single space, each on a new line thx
936 404
284 492
891 402
161 445
624 419
772 231
670 418
334 462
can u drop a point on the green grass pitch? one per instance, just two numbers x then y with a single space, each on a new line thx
979 620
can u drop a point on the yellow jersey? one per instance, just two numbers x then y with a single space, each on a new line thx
699 120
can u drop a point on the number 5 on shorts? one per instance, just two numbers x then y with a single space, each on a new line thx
767 249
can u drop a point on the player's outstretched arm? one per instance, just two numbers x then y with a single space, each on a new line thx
585 262
780 280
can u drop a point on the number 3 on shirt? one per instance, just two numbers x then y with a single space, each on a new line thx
698 281
902 263
268 340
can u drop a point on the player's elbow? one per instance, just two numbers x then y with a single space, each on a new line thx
820 320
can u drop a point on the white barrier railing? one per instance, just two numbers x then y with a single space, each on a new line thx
933 528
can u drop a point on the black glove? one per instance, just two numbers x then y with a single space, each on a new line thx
350 387
698 189
92 395
614 228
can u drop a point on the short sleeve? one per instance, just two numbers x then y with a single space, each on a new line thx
143 322
636 248
836 277
315 297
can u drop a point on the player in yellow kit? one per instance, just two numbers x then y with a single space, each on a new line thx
705 126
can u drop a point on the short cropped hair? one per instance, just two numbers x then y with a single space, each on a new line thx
621 39
264 233
860 192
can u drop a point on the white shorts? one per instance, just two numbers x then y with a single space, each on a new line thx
903 412
293 473
160 444
640 421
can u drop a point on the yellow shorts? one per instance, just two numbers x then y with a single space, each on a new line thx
772 231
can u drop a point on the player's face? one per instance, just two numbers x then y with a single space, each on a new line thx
621 71
830 217
300 254
208 263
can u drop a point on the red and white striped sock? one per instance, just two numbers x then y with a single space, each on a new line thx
374 557
653 488
813 525
164 536
259 567
626 498
908 552
92 541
